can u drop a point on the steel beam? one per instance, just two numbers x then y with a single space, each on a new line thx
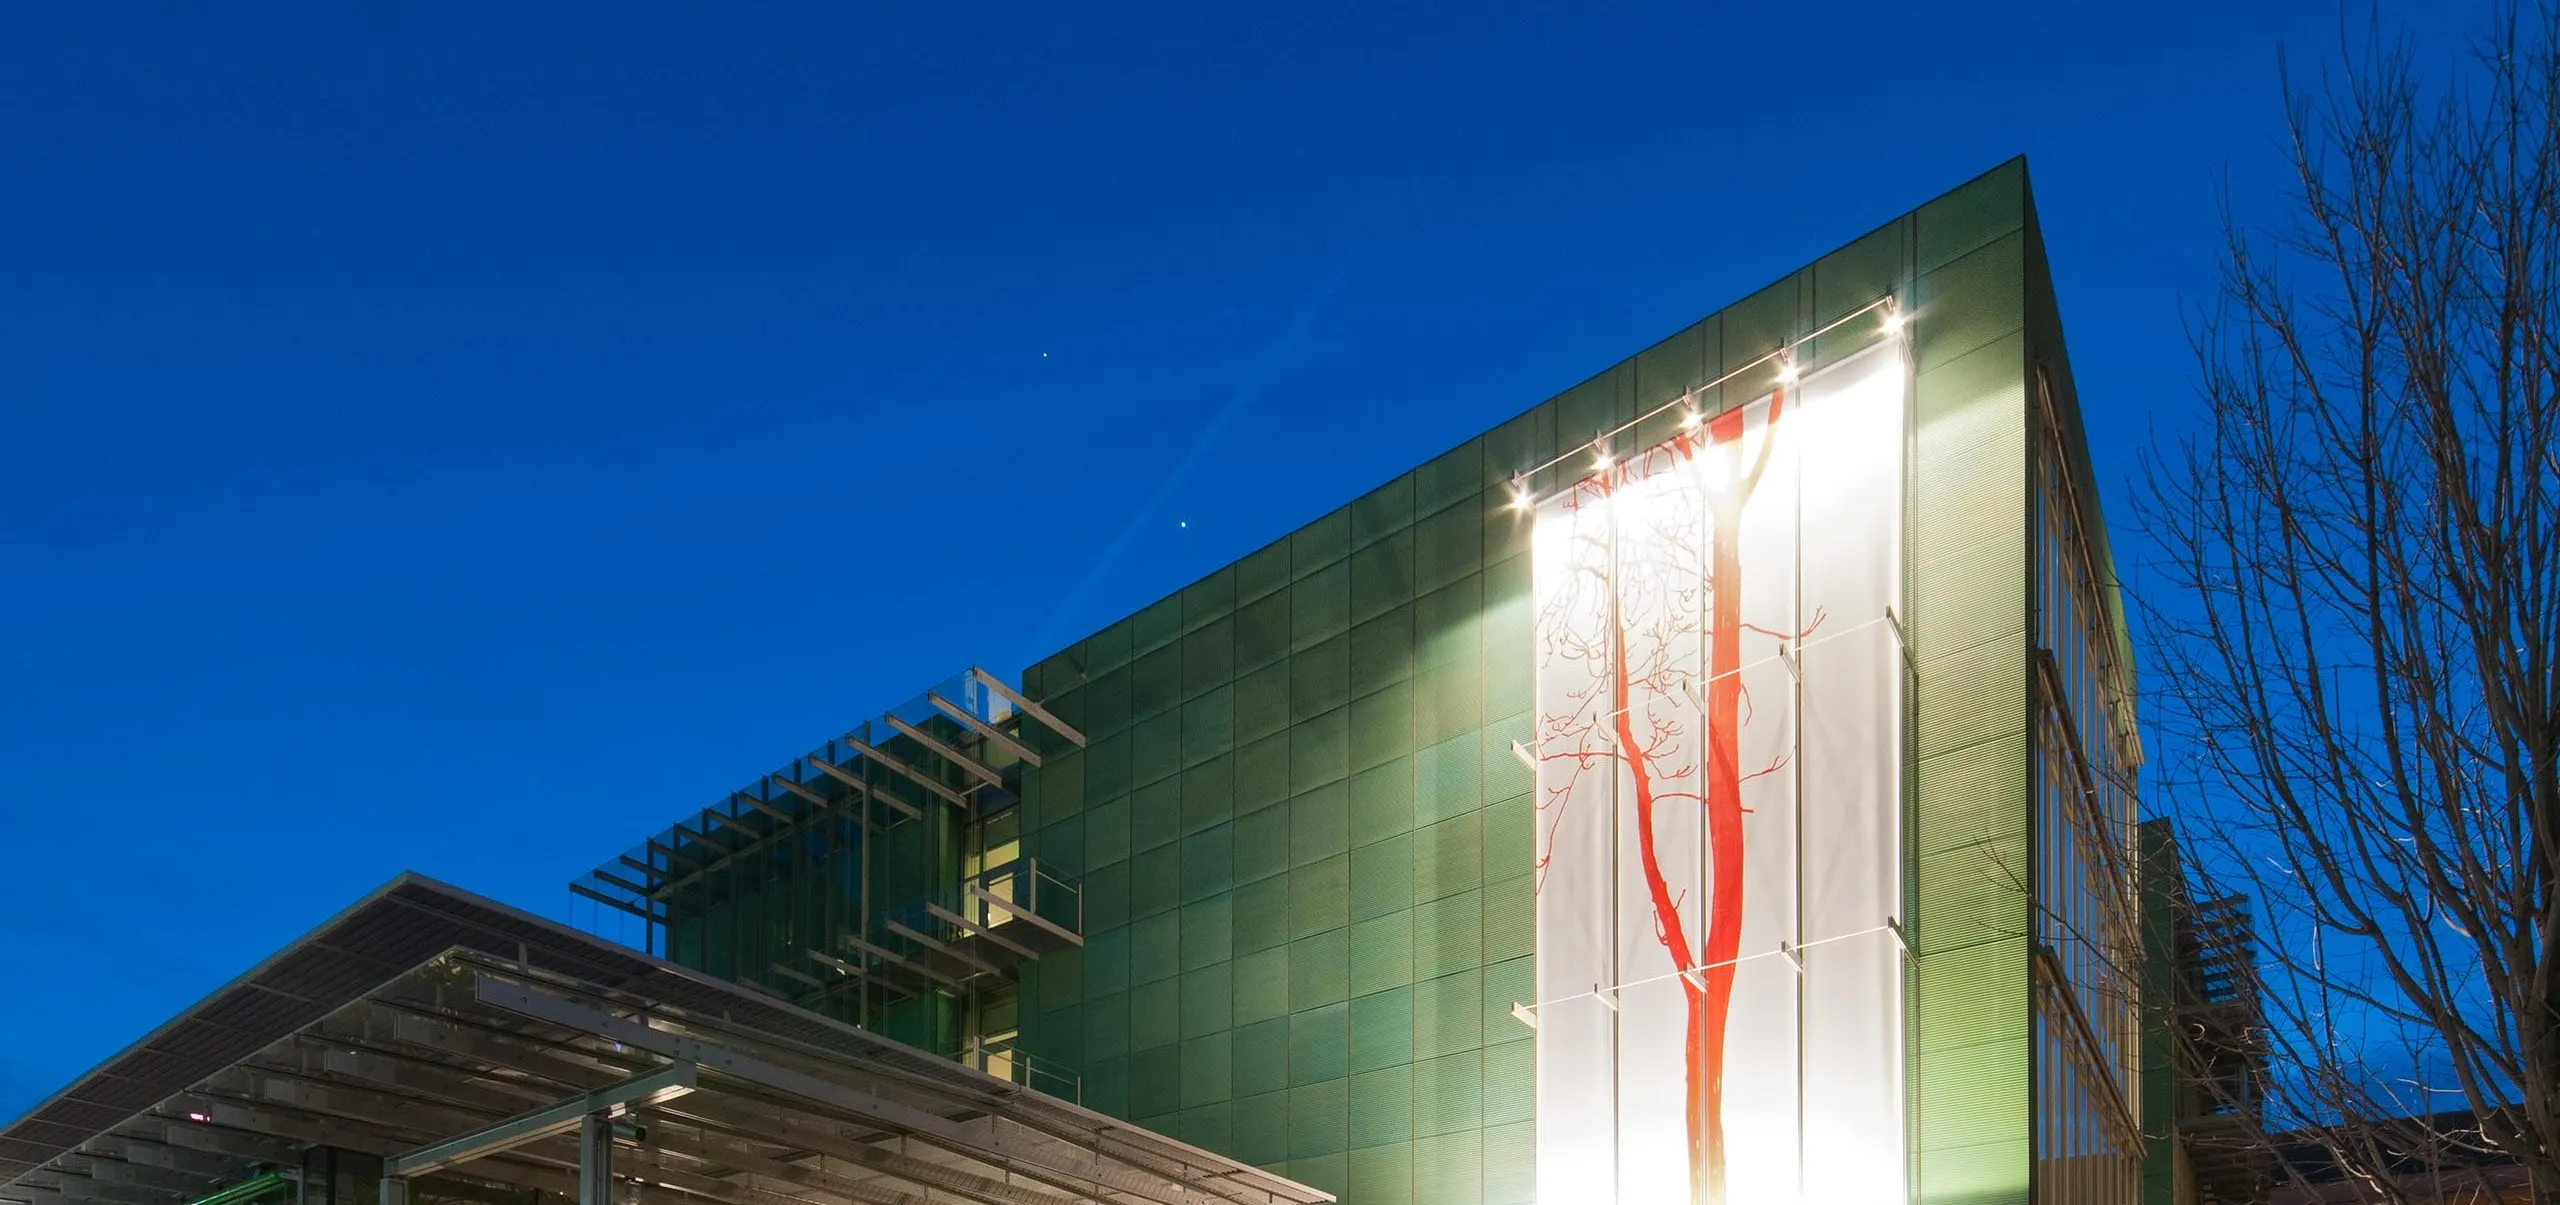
993 734
604 1103
610 902
983 1136
986 932
910 773
864 789
940 947
812 797
595 1152
946 752
1010 695
762 806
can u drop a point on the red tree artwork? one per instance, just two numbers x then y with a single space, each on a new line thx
1652 615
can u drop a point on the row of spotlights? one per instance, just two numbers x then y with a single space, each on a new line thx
1689 419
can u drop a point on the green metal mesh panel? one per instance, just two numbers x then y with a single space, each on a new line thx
1209 655
1208 725
1262 910
1381 725
1382 1029
1208 1069
1320 677
1507 983
1319 1119
1211 1127
1106 1028
1320 823
1155 880
1382 1105
1262 1124
1106 1085
1448 857
1449 479
1208 793
1382 651
1510 834
1446 1017
1262 702
1106 962
1208 931
1320 1043
1155 1081
1448 1169
1448 1093
1381 953
1209 599
1448 777
1106 703
1266 570
1380 1175
1261 844
1106 896
1320 606
1320 969
1155 1015
1262 985
1382 877
1155 948
1320 896
1448 934
1321 543
1510 1163
1382 574
1510 917
1320 750
1262 631
1208 1000
1155 811
1262 1056
1106 833
1448 546
1158 624
1510 1082
1208 865
1262 773
1155 682
1382 801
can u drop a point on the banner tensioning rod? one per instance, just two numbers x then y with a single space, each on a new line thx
1690 395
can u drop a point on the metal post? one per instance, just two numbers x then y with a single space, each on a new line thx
595 1160
395 1191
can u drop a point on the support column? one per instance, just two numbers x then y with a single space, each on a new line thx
595 1160
395 1191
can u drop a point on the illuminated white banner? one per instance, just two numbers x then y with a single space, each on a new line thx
1719 753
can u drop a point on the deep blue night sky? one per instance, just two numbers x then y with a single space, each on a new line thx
461 439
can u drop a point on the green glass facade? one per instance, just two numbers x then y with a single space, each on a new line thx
1301 843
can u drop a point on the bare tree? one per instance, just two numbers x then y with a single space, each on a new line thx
2353 624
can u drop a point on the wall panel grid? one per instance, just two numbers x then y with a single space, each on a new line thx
1308 847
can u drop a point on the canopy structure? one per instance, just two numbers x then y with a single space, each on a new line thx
430 1044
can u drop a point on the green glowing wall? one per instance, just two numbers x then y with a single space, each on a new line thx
1306 844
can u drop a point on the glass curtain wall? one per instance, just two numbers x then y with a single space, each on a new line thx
2087 947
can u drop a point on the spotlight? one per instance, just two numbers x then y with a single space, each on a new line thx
1892 317
1519 493
1688 420
1787 369
1600 454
